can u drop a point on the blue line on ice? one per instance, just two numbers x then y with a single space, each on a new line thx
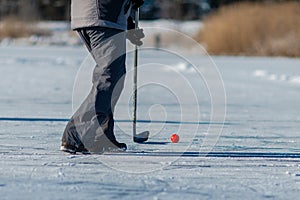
30 119
211 154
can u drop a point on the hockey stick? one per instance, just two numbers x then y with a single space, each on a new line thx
143 136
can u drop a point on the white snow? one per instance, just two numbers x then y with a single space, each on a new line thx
260 73
61 33
188 27
262 96
293 79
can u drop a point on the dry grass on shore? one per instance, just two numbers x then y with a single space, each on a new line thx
260 29
13 27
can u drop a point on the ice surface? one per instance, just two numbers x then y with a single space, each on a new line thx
262 116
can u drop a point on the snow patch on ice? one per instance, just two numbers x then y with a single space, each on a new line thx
283 77
295 80
188 27
181 67
259 73
265 75
37 61
272 77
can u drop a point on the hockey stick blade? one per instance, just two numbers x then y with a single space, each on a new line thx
141 137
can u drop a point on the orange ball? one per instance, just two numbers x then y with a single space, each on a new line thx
174 138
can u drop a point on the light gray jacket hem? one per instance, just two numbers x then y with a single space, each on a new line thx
75 24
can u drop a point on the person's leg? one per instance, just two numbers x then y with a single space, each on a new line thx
71 139
94 118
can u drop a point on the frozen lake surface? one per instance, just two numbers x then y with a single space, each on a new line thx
256 156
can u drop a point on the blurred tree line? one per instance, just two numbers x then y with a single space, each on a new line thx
36 9
152 9
215 4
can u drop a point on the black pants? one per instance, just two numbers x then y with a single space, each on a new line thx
94 119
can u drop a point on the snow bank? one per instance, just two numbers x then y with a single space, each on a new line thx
63 35
190 28
287 78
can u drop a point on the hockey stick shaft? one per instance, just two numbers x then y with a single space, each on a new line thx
135 77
